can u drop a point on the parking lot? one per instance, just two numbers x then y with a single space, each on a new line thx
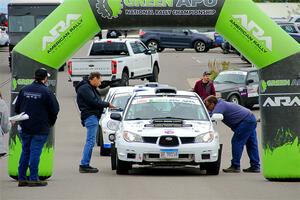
178 69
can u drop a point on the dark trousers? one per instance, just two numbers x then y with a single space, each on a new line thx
245 134
32 146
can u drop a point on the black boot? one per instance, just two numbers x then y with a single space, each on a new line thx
232 169
87 169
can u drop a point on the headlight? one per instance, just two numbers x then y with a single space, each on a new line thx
112 125
132 137
205 137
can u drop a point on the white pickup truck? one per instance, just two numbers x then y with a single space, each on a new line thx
118 60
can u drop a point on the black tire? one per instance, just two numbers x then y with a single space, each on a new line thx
200 46
103 151
213 168
154 77
160 49
179 49
234 99
125 79
113 157
153 44
122 167
98 140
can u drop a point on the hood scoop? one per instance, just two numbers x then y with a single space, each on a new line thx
163 122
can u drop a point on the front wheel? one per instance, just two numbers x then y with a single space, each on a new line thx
200 46
154 77
122 167
153 44
213 168
234 99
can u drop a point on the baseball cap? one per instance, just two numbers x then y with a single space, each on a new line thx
41 73
206 73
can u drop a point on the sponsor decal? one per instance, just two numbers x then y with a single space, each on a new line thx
280 101
61 32
110 9
169 132
253 32
23 82
279 83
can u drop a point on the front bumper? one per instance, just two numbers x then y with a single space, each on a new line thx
142 153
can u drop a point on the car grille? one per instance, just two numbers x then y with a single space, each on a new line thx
168 141
187 140
155 157
151 140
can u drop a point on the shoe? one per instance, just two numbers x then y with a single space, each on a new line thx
22 183
232 169
252 170
37 183
87 169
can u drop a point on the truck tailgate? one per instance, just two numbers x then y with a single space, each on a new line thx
84 66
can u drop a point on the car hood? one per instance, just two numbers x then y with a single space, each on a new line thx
196 128
221 87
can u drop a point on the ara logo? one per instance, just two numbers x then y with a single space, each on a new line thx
256 30
282 101
59 28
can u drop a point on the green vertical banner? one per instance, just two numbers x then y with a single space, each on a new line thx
276 54
49 45
61 34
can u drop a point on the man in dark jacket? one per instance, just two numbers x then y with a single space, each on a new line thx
91 106
205 87
40 104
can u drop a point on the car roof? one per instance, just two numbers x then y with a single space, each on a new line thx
117 40
153 92
248 69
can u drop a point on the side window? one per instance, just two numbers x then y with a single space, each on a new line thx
298 20
253 76
137 47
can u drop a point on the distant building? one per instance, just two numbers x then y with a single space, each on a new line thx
278 10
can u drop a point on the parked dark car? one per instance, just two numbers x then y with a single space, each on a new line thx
178 39
238 86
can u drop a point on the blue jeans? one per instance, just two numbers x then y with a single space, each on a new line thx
245 134
32 146
91 123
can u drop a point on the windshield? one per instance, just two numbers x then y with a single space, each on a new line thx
144 108
109 48
120 100
232 77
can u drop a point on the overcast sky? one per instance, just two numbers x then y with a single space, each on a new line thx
3 6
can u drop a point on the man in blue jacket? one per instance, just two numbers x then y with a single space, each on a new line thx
243 123
41 105
91 106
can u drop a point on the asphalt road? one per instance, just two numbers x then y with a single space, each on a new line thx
179 69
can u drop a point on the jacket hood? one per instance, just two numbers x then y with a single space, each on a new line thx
81 83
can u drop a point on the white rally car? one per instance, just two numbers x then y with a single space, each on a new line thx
166 127
119 97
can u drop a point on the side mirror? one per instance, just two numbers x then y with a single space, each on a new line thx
148 52
217 117
116 116
250 81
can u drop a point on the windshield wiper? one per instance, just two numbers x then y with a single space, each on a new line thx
229 82
162 118
137 118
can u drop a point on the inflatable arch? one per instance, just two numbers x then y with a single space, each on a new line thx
254 34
